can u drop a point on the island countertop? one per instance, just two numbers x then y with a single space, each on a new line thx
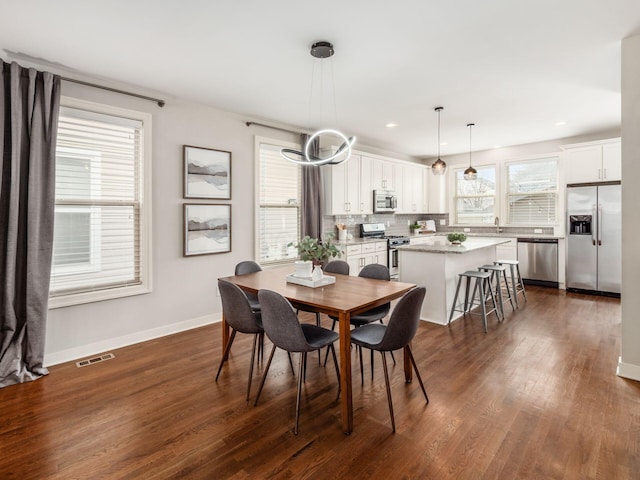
442 245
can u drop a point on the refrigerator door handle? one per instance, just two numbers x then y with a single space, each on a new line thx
599 225
595 227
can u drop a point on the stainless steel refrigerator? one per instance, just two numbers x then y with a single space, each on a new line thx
594 264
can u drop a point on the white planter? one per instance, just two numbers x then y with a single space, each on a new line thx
303 268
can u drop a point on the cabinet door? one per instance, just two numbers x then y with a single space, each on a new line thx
366 192
334 178
612 161
352 184
355 264
382 174
583 164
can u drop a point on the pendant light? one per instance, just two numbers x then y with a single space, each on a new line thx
470 173
438 167
321 50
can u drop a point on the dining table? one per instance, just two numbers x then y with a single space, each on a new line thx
348 296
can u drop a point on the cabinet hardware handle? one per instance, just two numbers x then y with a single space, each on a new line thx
599 172
604 175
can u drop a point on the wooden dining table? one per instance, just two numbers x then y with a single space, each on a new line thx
346 297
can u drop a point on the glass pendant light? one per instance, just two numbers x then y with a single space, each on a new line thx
438 167
470 173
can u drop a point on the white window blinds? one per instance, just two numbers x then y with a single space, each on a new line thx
279 212
532 197
98 212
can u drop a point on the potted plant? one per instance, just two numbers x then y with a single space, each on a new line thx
456 238
315 252
415 228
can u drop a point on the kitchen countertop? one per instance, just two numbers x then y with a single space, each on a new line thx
442 245
492 235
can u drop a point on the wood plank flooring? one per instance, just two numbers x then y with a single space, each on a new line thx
535 398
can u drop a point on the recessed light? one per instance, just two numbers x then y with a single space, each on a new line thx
391 125
560 124
443 144
497 146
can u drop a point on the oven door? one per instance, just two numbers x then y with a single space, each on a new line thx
393 262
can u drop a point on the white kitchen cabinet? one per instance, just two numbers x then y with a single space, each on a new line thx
383 174
359 255
411 194
347 187
593 161
435 194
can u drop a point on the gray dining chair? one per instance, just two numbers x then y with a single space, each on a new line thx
281 325
241 318
377 272
243 268
397 334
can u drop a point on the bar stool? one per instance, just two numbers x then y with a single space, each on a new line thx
482 280
498 271
517 285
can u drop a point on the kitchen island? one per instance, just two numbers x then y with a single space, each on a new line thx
436 266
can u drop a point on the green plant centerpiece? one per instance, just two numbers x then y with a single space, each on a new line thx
456 238
315 250
415 227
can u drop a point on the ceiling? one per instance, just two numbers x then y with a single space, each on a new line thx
515 69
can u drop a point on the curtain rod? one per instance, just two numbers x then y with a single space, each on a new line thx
159 101
275 128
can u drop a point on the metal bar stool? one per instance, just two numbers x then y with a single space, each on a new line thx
498 271
517 285
482 280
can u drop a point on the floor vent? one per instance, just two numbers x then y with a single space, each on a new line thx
91 361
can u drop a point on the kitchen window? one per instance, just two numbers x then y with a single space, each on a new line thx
475 200
532 196
101 245
279 203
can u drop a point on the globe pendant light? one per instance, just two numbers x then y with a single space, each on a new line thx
321 50
470 173
438 167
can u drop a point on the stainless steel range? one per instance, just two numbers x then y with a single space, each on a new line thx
377 230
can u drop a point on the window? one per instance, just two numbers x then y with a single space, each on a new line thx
101 246
475 199
532 195
279 208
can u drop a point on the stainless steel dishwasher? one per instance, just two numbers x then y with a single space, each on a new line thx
538 259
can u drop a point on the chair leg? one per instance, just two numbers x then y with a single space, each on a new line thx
335 362
303 362
506 284
361 366
318 324
482 303
293 370
264 375
253 358
415 367
227 349
386 381
455 300
513 285
372 365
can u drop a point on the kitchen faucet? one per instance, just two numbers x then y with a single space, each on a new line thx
497 224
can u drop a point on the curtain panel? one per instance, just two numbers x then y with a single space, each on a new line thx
29 106
311 204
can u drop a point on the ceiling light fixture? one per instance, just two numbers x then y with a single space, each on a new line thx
438 167
470 173
321 50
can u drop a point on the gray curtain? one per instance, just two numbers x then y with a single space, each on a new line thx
311 193
29 106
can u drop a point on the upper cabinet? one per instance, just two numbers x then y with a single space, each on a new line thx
411 191
384 174
593 161
347 187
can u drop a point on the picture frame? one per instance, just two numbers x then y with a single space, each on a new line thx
207 229
207 173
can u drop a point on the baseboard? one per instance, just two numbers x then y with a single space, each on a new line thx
126 340
628 370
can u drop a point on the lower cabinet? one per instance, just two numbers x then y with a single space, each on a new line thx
357 256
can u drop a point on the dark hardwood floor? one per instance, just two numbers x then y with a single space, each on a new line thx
535 398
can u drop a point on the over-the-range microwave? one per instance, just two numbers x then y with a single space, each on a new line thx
384 201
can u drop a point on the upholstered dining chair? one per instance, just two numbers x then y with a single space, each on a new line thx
239 315
281 325
397 334
377 272
243 268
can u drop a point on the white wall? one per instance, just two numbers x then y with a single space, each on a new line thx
629 365
184 289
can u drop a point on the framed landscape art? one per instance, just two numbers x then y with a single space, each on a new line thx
207 173
207 229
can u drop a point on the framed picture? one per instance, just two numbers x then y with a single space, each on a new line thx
207 173
207 229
